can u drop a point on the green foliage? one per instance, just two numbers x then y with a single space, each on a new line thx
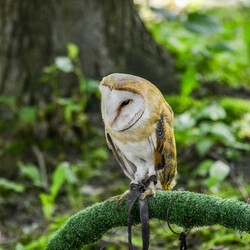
28 114
55 126
11 186
188 81
9 101
31 172
203 24
63 174
216 171
208 123
208 40
215 131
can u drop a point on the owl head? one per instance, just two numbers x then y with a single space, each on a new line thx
127 100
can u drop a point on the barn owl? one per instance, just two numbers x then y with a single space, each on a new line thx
139 128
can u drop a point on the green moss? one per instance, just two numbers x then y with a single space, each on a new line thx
188 210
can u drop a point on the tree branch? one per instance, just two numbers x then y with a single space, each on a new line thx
188 210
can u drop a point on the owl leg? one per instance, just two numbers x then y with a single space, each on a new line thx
120 198
150 190
127 194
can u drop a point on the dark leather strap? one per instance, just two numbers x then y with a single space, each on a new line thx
183 241
144 216
135 194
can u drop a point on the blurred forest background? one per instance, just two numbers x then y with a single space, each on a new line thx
54 160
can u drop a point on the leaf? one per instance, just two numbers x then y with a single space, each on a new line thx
241 146
19 246
71 176
203 145
165 13
223 132
246 38
189 82
218 172
213 112
184 121
64 64
100 154
92 86
10 101
203 24
48 205
58 178
10 185
204 167
205 128
220 47
83 86
31 172
28 114
73 51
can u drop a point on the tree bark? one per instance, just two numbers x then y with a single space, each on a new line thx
110 35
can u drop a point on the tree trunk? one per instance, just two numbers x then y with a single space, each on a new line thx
110 35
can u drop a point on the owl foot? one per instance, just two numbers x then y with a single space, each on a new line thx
119 198
151 190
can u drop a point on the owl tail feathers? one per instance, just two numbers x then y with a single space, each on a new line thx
169 186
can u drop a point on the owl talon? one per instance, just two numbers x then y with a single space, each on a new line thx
118 198
149 191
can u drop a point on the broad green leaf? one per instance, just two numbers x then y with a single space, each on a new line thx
218 172
73 51
100 153
203 24
71 176
213 112
165 13
31 171
11 185
189 82
241 146
28 114
58 178
205 128
223 132
203 145
48 205
19 246
64 64
204 167
184 121
220 47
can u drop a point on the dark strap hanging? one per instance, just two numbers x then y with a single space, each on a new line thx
183 235
135 194
182 238
136 191
144 216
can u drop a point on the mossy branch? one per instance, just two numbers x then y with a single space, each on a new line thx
188 210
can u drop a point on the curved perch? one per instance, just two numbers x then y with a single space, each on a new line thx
188 210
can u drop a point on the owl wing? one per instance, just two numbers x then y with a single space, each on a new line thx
127 166
165 149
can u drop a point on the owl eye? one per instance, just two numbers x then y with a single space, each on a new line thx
124 103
